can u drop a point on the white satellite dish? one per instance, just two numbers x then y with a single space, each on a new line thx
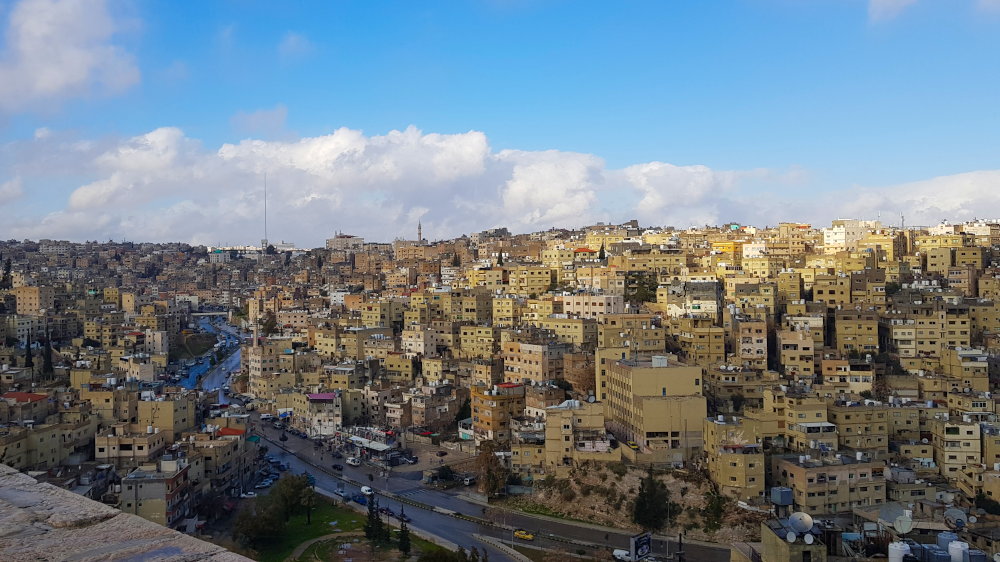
955 518
800 522
790 536
903 524
809 538
996 557
973 519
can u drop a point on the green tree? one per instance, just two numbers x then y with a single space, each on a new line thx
269 325
500 259
456 261
652 503
602 255
258 523
47 367
29 360
287 494
373 526
492 474
404 534
307 498
446 473
464 412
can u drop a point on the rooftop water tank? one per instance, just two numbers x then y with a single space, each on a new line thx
897 551
958 550
944 538
782 496
976 556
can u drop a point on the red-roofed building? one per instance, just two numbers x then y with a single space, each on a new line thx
23 396
22 406
230 431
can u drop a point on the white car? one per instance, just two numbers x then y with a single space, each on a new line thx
366 490
249 495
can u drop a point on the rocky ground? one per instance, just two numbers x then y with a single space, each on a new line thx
604 494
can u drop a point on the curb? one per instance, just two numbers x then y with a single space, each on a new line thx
656 536
501 547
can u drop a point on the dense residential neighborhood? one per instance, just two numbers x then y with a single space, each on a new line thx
842 372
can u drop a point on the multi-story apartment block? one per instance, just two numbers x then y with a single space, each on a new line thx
735 458
833 484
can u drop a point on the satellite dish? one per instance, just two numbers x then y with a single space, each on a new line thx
809 539
996 557
903 524
790 536
800 522
973 519
955 518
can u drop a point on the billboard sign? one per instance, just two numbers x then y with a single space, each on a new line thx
641 546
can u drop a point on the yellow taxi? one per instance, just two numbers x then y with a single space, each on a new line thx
524 535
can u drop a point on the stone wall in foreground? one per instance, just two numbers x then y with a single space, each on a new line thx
44 522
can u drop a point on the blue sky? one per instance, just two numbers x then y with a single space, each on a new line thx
552 113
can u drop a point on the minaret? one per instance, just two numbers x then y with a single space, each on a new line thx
420 232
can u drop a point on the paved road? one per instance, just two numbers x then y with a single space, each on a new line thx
204 376
551 534
449 528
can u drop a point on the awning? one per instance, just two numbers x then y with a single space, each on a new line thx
369 444
254 439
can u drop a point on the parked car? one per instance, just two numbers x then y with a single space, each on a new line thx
387 511
337 455
359 499
248 495
337 466
404 518
441 453
367 490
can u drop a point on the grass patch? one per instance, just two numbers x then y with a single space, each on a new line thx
323 551
297 532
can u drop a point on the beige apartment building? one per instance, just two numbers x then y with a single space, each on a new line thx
833 484
657 403
126 445
735 458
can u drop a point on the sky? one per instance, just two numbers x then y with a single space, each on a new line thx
164 121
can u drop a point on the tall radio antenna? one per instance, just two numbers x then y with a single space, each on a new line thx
264 248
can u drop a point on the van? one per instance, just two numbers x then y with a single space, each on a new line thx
366 490
621 554
266 417
469 480
353 461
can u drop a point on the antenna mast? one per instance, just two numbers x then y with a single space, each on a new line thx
263 248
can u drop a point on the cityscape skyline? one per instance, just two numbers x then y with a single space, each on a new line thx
155 122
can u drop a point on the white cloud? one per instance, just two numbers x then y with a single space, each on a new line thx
59 49
881 10
11 190
294 45
163 185
263 122
956 198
